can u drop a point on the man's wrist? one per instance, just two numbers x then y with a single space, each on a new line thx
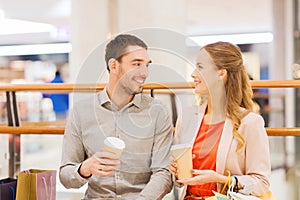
80 173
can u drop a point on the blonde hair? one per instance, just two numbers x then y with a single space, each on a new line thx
238 89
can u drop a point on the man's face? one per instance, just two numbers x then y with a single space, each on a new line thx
133 69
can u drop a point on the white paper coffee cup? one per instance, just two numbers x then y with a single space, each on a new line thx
114 145
182 153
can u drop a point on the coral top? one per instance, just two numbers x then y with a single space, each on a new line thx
205 153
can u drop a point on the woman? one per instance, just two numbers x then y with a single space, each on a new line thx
223 133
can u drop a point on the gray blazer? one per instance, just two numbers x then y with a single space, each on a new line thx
252 167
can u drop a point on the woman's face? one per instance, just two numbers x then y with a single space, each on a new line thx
206 74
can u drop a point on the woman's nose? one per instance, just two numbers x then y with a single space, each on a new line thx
193 74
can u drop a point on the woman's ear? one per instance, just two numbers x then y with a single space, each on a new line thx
223 74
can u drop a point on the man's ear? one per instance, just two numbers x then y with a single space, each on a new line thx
112 64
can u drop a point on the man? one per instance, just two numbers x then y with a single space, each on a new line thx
120 110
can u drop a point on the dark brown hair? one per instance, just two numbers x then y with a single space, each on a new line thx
116 48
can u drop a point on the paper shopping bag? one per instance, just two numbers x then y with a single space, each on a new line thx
239 196
36 184
8 189
268 196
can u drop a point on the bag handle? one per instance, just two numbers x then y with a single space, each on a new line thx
51 178
227 183
46 187
231 187
12 189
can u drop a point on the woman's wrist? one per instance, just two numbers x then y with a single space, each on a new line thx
222 179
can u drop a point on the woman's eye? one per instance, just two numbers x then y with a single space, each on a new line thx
199 67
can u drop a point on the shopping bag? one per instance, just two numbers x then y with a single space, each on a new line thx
232 195
36 184
8 189
268 196
221 196
218 196
238 196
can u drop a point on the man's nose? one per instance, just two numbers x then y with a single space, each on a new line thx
143 71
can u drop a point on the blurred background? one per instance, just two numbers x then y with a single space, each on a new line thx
40 38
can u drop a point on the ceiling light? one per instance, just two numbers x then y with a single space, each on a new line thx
245 38
35 49
14 26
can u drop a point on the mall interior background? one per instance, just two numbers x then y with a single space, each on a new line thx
82 26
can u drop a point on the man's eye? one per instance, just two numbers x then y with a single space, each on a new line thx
137 64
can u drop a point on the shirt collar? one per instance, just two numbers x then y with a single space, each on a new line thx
137 100
104 98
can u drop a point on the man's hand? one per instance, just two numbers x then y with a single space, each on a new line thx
101 163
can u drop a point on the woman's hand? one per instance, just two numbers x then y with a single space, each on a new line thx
173 168
203 177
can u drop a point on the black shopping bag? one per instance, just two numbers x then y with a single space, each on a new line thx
8 189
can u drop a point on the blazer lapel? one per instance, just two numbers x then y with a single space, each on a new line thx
196 123
200 113
224 146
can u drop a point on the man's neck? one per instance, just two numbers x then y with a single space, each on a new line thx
118 96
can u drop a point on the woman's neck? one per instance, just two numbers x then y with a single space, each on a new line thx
215 110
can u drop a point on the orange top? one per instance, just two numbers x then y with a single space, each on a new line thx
205 152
